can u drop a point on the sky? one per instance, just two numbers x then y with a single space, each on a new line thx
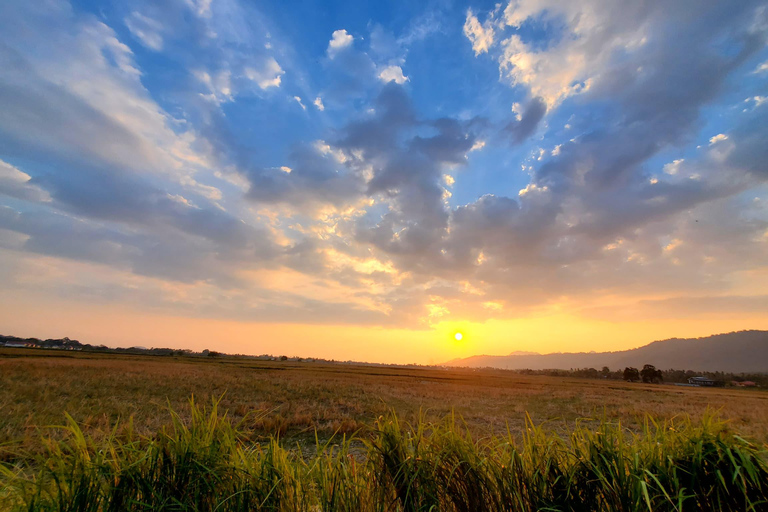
363 180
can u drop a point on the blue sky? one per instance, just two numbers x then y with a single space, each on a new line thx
398 165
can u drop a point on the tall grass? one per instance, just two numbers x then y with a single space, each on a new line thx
206 464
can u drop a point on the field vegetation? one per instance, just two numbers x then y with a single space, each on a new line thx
282 435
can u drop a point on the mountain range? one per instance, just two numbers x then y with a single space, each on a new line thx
734 352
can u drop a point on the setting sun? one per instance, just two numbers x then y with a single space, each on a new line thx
458 336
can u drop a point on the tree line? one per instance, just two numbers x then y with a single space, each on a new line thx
652 375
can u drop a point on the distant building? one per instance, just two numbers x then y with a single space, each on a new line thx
18 344
701 381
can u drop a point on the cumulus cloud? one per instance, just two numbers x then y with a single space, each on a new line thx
319 104
392 74
340 40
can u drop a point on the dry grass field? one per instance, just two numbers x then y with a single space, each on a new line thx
427 439
296 400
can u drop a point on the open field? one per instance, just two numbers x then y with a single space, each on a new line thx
589 444
296 399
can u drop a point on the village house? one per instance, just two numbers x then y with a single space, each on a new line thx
701 381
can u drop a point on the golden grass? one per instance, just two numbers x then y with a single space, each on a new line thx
295 400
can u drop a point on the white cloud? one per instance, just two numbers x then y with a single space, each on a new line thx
146 30
481 36
718 138
339 40
393 73
270 74
673 167
14 182
477 146
298 100
593 32
762 68
757 100
219 86
201 7
319 104
12 174
85 60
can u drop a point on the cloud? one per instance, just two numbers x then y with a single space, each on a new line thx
717 138
147 30
227 38
116 124
317 177
480 35
757 101
15 183
201 8
269 75
96 146
407 170
393 74
528 120
219 86
673 167
598 37
370 218
340 40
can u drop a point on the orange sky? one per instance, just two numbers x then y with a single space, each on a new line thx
119 326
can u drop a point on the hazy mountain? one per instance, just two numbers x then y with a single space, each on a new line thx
736 352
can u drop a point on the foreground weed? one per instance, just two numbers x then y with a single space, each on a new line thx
206 464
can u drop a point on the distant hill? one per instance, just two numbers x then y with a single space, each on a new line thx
735 352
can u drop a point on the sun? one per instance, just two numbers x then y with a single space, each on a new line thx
458 336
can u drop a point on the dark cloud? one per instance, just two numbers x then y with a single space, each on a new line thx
313 178
529 120
407 168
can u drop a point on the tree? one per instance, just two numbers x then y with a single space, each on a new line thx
651 375
631 374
